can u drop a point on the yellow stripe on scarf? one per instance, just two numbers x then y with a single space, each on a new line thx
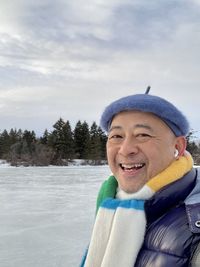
174 172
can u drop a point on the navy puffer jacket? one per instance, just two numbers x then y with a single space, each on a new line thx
171 238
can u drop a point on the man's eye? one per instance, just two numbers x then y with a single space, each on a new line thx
115 138
143 136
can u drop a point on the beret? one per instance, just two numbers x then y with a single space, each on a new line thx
160 107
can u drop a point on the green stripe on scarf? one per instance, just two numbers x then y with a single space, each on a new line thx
108 189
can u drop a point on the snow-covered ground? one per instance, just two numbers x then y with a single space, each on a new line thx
46 214
4 163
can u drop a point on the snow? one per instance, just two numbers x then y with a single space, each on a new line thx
4 163
46 214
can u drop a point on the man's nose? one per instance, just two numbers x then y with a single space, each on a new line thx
128 147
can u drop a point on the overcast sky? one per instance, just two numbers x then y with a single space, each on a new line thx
70 59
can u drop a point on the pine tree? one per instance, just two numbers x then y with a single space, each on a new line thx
61 139
192 147
4 144
44 139
19 134
14 137
81 140
95 143
56 139
29 138
69 141
103 140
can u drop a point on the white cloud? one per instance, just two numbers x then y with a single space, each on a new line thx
66 58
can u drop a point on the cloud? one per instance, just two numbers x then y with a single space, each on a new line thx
66 58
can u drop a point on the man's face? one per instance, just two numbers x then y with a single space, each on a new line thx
139 146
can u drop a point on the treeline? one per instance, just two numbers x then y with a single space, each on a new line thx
193 147
62 145
58 147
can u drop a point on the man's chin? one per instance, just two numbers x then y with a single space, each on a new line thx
131 189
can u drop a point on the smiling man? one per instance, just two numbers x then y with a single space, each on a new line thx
148 210
140 150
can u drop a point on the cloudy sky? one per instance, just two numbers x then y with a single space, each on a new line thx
70 59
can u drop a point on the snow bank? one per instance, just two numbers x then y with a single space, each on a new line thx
4 163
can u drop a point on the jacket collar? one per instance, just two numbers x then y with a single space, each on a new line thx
170 195
192 204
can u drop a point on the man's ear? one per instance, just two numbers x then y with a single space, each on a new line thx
181 144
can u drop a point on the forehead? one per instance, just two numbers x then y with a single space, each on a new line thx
130 118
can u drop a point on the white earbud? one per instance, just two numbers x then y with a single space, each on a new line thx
176 153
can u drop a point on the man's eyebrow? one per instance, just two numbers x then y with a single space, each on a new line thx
145 126
114 128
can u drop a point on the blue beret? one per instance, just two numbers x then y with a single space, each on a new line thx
160 107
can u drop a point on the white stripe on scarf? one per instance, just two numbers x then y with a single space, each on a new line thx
115 242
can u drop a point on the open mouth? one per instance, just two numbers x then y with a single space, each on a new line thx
131 167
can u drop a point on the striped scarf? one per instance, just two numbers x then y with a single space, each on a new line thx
120 224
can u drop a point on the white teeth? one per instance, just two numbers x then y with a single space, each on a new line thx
129 166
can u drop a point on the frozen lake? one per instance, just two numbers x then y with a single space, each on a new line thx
46 214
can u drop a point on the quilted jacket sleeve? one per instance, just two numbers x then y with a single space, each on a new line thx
196 257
